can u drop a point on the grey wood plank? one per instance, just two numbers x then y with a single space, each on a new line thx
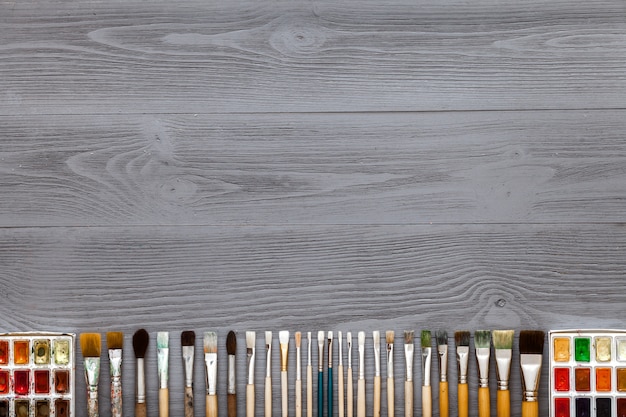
284 56
483 167
308 278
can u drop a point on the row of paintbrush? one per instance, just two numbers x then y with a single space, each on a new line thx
530 347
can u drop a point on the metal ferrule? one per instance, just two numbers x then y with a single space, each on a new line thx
92 375
361 362
284 356
309 363
442 352
268 362
408 355
251 353
462 359
531 370
188 353
389 360
298 365
162 366
427 354
482 359
376 359
115 362
503 367
349 342
210 361
141 381
231 375
320 357
330 353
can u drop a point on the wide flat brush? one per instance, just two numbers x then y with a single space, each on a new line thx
210 364
409 347
329 396
349 381
115 343
90 346
531 355
251 355
163 372
188 341
389 336
461 340
298 339
482 349
427 352
442 353
309 378
377 384
340 380
360 387
503 346
283 338
141 340
231 396
268 374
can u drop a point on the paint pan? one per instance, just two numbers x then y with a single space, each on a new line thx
588 373
37 374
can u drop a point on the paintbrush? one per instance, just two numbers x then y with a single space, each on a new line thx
115 343
298 337
349 382
90 346
389 336
251 355
462 360
503 345
427 351
320 373
141 340
408 381
231 396
376 339
482 349
340 382
283 337
188 341
329 396
309 379
162 366
531 355
442 353
210 366
268 374
360 389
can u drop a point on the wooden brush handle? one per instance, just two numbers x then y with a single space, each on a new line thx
408 398
444 408
140 410
360 398
463 400
231 405
164 402
188 401
340 392
503 402
211 406
284 390
92 406
427 401
530 409
377 396
249 400
309 391
268 396
350 395
298 398
390 398
484 408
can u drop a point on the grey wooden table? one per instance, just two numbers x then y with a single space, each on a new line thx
310 166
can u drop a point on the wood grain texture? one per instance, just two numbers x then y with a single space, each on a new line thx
472 167
307 278
285 56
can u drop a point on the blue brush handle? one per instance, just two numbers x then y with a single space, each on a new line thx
320 394
330 392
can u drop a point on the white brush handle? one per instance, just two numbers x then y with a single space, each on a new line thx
340 396
299 398
268 396
250 400
309 391
377 396
284 392
350 395
390 398
360 398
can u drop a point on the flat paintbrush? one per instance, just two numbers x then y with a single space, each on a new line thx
461 340
349 381
163 372
188 341
409 347
231 396
340 381
482 349
329 396
115 343
503 346
251 355
442 353
320 373
427 396
377 384
360 387
389 336
141 340
309 378
283 338
298 338
90 346
210 364
530 358
268 374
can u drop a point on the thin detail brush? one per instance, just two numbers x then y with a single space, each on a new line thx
350 381
360 392
283 337
340 380
389 336
163 372
188 341
268 374
427 352
141 340
461 340
90 346
377 384
210 366
251 355
409 347
329 396
320 373
531 354
442 353
298 337
231 396
115 344
482 349
309 378
503 346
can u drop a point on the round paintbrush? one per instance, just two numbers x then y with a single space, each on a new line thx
141 340
231 397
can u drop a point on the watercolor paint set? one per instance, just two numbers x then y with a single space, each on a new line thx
37 375
587 373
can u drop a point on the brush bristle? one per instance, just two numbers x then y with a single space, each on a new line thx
442 337
531 342
283 337
210 342
115 340
298 337
231 343
91 344
141 339
426 338
250 340
390 335
462 338
268 339
349 339
320 338
503 339
376 337
409 335
482 339
188 338
361 338
330 335
163 340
